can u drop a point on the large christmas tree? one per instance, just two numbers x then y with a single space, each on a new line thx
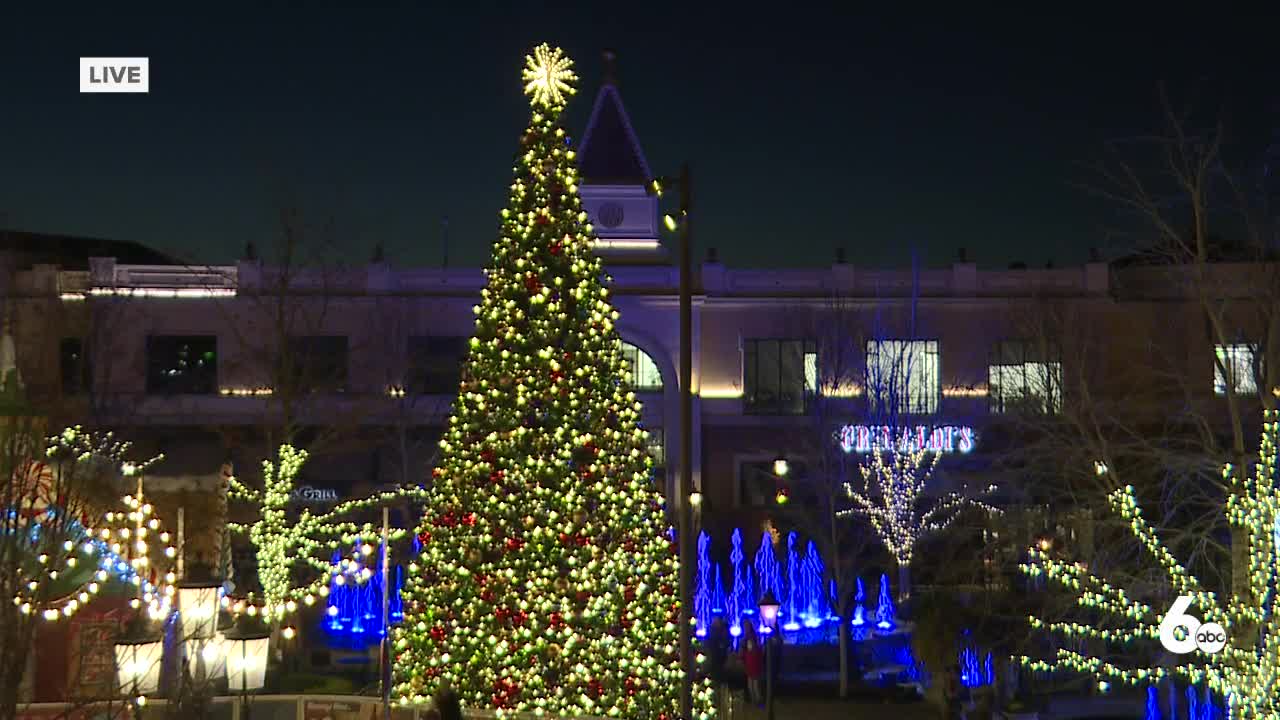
548 578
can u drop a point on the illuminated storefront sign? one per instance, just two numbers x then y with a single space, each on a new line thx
308 494
939 439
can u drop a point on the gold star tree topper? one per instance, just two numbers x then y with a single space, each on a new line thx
548 76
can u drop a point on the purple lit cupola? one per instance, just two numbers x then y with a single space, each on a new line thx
616 187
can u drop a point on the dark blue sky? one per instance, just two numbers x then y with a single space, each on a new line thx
806 129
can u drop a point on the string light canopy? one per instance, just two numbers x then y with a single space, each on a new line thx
1247 670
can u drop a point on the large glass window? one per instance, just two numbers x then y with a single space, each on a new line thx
1236 367
182 364
435 364
318 363
902 376
779 376
644 371
73 363
1025 375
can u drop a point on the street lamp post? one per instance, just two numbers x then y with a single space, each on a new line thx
246 651
769 607
138 654
684 528
198 605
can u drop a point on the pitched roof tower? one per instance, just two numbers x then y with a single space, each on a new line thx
616 178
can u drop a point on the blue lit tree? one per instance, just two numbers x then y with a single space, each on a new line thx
768 573
885 611
792 600
738 596
702 595
813 600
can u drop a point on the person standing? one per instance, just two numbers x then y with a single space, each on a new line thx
448 704
955 693
717 645
753 663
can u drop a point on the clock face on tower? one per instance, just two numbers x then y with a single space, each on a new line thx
611 215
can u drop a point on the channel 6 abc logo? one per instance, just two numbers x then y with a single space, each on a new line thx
1208 638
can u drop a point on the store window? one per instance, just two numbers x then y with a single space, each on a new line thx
902 377
1025 375
435 364
1236 367
182 364
780 377
644 371
73 364
318 363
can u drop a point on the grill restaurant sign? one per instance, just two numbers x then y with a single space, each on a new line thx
941 439
308 495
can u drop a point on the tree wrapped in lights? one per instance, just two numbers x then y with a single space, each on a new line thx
893 497
292 552
1247 670
548 577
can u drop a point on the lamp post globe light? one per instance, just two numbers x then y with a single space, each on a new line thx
198 604
769 607
781 467
138 655
198 607
246 652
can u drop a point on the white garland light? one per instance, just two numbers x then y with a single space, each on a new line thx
1247 670
892 497
127 542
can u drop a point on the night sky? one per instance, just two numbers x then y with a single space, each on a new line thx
806 129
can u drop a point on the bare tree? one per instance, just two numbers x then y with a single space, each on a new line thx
1163 388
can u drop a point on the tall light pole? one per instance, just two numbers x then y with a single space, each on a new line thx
684 529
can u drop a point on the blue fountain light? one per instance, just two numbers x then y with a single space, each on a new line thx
790 605
1208 709
970 675
717 597
768 574
884 606
813 606
738 594
353 616
1153 703
832 595
989 670
702 588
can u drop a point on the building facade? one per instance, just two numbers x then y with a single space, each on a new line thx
206 363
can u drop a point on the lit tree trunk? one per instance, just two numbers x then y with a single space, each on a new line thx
904 580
